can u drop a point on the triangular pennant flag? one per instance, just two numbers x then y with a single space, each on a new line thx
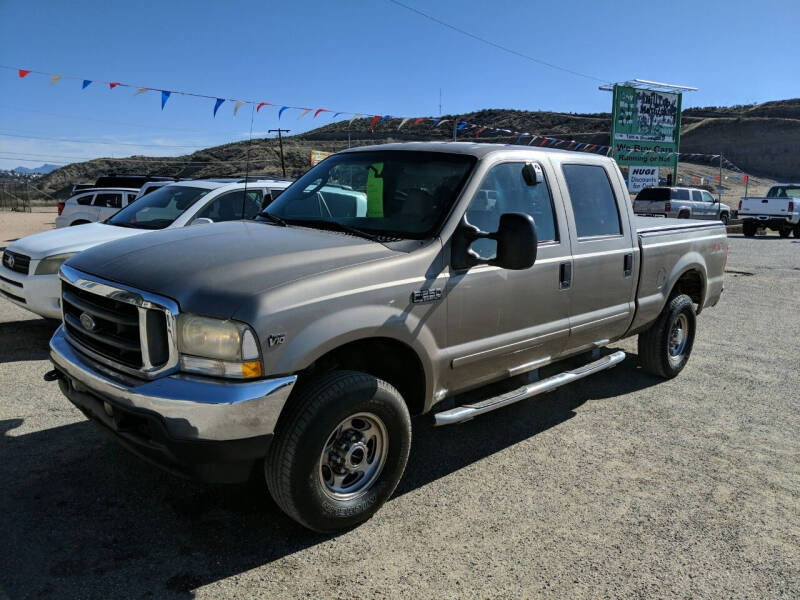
403 122
113 84
304 113
237 106
86 83
260 104
164 97
336 115
375 119
533 139
320 110
442 122
521 135
280 112
418 121
462 125
23 72
435 122
54 79
355 116
217 104
480 131
140 91
384 117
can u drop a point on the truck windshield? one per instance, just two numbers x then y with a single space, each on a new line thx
159 208
784 191
403 194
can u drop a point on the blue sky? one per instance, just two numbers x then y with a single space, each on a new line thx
368 56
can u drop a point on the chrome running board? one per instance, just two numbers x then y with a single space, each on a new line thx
468 411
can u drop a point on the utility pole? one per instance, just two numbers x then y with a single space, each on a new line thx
280 142
440 102
455 122
719 189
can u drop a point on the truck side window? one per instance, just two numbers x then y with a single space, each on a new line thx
593 202
696 196
708 197
228 207
504 190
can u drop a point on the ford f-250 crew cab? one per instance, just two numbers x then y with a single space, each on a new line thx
382 284
779 211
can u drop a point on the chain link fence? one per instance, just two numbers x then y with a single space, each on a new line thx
23 197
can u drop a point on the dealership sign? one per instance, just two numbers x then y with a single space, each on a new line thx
641 177
645 127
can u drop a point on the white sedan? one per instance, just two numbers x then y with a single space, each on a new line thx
29 271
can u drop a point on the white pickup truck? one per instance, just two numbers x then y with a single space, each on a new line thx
779 211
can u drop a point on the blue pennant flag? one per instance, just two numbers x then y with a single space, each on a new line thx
462 125
164 98
336 115
436 122
280 112
217 104
86 83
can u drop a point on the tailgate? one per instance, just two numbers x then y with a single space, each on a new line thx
775 207
649 207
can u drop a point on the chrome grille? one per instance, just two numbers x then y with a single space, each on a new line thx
16 262
127 329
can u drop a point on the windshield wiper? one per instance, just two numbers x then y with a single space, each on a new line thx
273 218
337 226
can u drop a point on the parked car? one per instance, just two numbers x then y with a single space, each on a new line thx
29 273
301 342
92 205
680 202
778 211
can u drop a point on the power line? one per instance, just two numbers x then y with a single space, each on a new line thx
496 45
76 141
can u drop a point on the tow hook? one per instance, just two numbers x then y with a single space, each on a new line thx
53 375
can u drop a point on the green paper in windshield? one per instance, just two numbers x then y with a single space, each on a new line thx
375 190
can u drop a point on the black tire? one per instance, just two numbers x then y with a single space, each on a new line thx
684 215
797 231
78 223
784 232
724 218
294 460
655 348
749 229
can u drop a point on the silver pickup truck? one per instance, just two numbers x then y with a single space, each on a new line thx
681 203
382 284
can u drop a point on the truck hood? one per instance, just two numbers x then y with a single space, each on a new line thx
70 239
212 269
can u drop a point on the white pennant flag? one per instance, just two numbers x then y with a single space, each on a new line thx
403 122
140 91
440 122
237 106
54 79
304 113
354 118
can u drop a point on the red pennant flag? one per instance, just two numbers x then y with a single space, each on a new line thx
375 119
544 141
320 110
418 121
745 178
113 84
480 131
260 104
23 72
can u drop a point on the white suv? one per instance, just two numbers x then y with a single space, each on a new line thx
29 270
92 205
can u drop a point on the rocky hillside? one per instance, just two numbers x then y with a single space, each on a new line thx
763 139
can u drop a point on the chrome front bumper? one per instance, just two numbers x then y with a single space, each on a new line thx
191 408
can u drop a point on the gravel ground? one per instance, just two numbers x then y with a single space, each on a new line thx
619 486
14 225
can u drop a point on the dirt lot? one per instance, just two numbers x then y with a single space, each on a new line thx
14 225
620 486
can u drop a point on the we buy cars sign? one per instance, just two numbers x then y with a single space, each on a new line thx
641 177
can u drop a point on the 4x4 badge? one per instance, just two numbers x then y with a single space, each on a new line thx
429 295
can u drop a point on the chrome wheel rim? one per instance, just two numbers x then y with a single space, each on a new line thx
678 337
354 456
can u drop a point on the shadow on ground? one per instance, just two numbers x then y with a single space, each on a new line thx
87 519
26 340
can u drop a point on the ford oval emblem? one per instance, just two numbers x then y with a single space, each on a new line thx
88 322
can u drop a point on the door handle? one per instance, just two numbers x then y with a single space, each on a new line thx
565 275
627 265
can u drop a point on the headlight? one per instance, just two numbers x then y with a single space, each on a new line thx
222 348
51 264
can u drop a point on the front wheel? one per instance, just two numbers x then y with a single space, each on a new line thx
724 218
665 347
339 451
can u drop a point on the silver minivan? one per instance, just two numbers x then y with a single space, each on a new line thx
681 203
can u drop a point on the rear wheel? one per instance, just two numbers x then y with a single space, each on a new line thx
797 231
785 232
684 214
665 347
749 229
340 451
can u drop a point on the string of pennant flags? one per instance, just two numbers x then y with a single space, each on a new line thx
471 130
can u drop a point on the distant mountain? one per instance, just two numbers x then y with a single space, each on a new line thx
43 170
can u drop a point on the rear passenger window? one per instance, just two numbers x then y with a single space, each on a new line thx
697 196
593 201
85 200
680 194
504 190
108 200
